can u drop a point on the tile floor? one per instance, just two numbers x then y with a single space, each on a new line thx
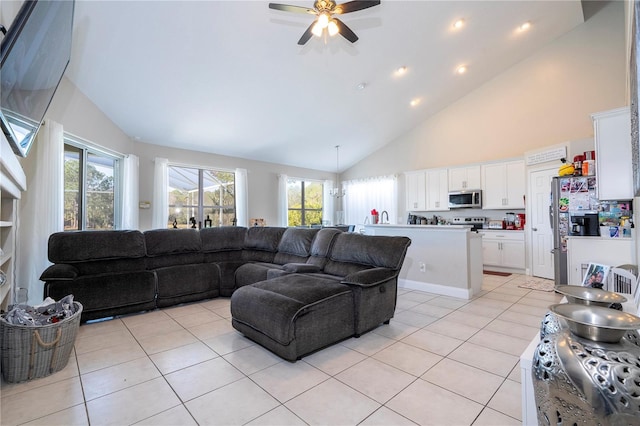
441 361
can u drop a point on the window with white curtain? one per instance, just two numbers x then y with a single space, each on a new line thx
207 196
92 187
304 202
364 195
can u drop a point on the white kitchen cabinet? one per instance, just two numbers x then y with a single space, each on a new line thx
464 178
503 249
606 251
437 190
614 168
416 190
503 185
12 183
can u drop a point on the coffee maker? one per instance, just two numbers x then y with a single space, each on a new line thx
584 225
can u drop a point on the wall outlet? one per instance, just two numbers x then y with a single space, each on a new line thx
423 267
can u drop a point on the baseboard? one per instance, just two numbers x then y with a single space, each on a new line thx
443 290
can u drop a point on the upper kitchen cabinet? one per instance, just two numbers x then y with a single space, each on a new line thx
437 189
614 169
503 185
464 178
416 190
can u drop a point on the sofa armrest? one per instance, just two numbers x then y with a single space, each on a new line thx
301 268
370 277
59 272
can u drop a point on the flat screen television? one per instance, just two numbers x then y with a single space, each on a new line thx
33 57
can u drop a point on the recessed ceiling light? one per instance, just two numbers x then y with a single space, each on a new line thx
458 24
415 102
461 69
525 26
361 86
401 70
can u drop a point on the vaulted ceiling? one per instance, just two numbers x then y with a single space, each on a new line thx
228 77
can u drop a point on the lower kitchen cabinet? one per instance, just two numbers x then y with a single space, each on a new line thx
503 249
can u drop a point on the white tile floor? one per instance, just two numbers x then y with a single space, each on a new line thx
441 361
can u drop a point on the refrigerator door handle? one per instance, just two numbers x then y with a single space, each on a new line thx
551 216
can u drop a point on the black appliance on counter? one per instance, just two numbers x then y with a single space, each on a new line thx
584 225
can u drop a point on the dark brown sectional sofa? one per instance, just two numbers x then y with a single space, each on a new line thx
293 290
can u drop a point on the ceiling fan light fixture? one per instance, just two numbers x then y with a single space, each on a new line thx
323 20
332 27
317 30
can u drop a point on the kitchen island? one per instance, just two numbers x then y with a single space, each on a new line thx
442 259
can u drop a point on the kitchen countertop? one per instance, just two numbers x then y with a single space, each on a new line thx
464 228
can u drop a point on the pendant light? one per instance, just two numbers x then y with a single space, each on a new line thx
336 191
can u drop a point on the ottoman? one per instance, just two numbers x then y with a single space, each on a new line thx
294 315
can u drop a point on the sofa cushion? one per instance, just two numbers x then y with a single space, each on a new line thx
82 246
295 245
272 307
171 247
224 238
354 252
118 293
321 246
188 279
261 243
172 241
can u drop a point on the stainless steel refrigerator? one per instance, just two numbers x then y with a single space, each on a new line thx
572 197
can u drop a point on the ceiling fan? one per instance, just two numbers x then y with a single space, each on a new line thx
325 11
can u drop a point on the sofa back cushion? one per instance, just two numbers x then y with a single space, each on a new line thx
261 243
295 245
98 252
82 246
355 252
168 247
321 246
224 238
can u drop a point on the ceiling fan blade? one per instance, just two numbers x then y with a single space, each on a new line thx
346 31
353 6
307 35
289 8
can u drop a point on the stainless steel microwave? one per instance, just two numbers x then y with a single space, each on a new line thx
465 199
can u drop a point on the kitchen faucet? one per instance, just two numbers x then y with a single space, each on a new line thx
382 217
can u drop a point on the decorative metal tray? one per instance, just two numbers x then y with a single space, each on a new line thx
596 323
589 296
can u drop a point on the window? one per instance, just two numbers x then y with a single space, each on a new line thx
304 200
91 188
201 195
364 195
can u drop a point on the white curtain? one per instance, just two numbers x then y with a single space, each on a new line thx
130 192
283 205
41 211
364 195
328 204
160 193
242 197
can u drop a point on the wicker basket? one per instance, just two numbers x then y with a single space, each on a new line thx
30 352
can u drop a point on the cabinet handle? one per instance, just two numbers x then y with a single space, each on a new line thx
534 229
437 203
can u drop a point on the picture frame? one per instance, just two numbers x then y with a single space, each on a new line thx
596 274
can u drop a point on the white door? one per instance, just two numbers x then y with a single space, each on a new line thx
538 222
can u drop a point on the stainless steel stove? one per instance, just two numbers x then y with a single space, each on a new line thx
476 222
